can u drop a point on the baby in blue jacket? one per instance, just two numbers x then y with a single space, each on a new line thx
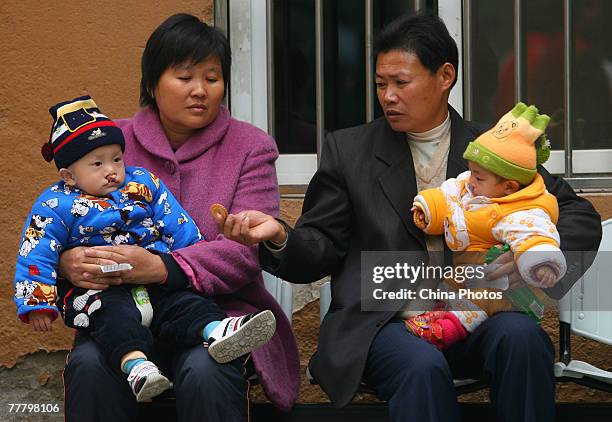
101 202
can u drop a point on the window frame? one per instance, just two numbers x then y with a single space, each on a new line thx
248 24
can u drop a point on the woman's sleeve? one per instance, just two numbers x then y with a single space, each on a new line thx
221 266
176 226
320 241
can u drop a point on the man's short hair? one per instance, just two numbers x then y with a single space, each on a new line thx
423 35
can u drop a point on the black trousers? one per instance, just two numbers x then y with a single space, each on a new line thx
509 350
205 390
178 318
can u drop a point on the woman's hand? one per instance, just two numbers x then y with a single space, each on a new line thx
251 227
147 268
84 271
507 266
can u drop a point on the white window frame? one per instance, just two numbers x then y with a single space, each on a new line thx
450 13
249 32
248 96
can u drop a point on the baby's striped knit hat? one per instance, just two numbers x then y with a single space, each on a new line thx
78 128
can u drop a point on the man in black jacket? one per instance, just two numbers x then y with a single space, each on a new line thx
360 200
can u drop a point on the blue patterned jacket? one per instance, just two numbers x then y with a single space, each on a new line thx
142 212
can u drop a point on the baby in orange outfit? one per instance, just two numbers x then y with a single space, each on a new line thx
500 200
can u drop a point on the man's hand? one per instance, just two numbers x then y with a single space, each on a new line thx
507 266
40 321
546 275
83 270
251 227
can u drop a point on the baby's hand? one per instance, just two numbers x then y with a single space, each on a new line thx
546 275
40 321
419 217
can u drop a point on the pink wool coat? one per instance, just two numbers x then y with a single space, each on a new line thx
232 163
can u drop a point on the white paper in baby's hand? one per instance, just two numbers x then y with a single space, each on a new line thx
115 267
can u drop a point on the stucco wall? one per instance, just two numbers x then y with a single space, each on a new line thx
51 52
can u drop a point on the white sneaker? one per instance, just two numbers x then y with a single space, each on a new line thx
147 381
237 336
79 302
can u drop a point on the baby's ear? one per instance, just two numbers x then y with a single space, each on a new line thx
512 186
67 176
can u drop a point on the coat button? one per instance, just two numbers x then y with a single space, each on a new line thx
170 167
493 214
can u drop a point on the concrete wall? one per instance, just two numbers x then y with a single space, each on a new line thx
50 52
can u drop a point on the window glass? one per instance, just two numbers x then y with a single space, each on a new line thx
344 50
493 66
543 43
344 66
492 58
294 76
383 13
591 87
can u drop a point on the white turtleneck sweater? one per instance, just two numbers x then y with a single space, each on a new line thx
430 156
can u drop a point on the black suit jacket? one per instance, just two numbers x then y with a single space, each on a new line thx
360 200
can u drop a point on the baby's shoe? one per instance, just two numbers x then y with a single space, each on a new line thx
237 336
146 381
440 328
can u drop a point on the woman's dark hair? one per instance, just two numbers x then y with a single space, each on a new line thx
423 35
180 38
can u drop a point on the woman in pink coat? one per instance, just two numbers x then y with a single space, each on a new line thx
187 138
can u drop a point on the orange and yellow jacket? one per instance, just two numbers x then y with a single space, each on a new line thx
525 220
